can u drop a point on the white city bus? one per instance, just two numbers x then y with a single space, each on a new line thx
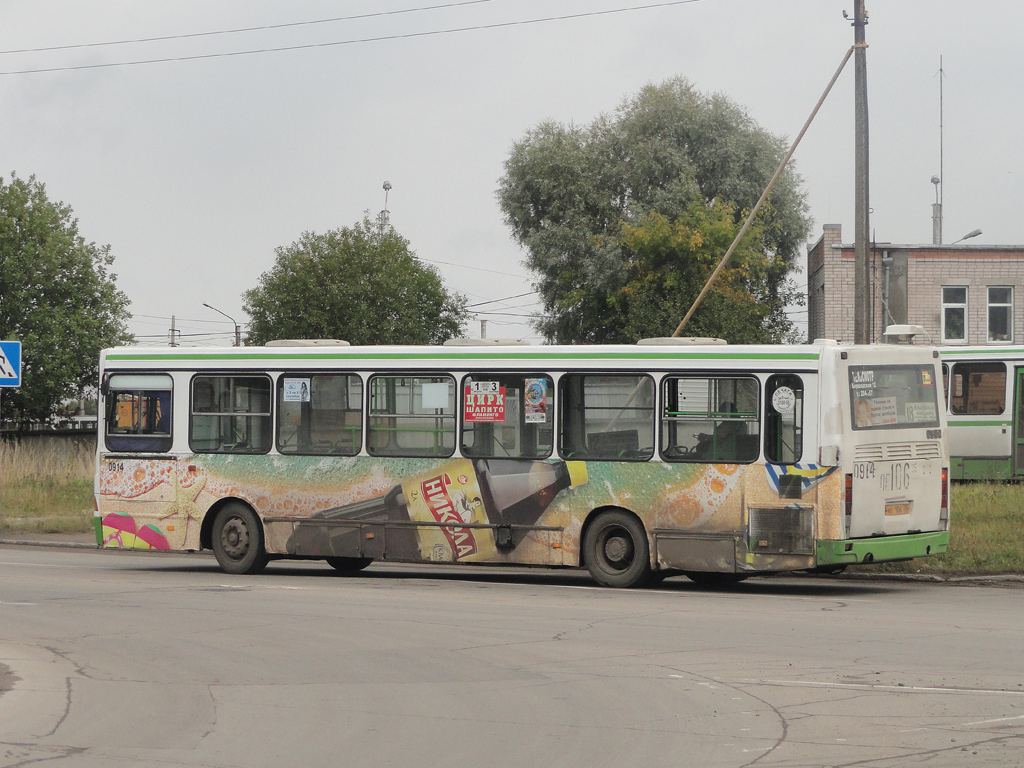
635 461
985 401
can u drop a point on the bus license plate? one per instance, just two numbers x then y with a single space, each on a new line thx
903 508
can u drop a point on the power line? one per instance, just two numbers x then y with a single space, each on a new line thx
265 27
477 269
507 298
381 38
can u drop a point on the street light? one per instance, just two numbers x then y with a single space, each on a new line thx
238 330
968 236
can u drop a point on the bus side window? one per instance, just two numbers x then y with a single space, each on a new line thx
138 417
507 415
606 417
320 414
710 419
784 419
411 416
231 414
979 389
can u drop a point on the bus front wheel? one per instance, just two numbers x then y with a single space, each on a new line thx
616 551
238 540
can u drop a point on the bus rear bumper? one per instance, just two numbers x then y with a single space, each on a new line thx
882 548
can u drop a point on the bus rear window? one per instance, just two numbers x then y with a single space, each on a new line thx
893 396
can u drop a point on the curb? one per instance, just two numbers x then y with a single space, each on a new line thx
64 544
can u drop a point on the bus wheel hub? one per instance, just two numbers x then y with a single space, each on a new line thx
618 550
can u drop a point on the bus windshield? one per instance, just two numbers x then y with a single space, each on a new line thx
893 396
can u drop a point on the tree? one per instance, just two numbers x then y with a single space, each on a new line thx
362 284
577 199
57 296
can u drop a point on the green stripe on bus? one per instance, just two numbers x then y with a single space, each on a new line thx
445 355
993 352
961 423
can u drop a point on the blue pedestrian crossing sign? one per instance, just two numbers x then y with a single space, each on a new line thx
10 363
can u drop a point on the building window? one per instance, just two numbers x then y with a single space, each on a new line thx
954 313
1000 313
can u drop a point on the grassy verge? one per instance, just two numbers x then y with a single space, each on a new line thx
46 486
986 535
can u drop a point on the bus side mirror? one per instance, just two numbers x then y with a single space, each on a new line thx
828 456
105 385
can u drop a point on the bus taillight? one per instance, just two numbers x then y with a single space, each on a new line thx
848 503
944 505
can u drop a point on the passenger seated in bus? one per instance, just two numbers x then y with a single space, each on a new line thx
726 443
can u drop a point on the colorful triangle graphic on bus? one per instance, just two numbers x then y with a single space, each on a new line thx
810 474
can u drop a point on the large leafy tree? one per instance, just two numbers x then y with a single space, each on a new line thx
57 296
361 284
579 200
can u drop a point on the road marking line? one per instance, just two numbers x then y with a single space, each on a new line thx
869 686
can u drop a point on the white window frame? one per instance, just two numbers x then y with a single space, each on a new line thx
962 306
990 305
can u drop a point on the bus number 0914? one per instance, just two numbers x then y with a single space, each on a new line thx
864 470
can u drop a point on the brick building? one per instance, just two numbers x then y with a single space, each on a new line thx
960 294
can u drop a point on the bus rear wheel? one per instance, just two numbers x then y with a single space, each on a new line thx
616 551
348 564
238 540
713 580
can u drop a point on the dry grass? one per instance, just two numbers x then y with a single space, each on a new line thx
46 486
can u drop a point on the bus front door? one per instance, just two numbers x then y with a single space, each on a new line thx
1018 424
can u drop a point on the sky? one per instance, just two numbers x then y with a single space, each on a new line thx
225 145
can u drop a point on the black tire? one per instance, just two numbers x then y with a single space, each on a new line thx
713 580
827 570
348 564
616 550
238 540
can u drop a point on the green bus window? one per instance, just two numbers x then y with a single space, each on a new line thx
138 417
319 414
411 416
606 417
978 389
710 419
231 414
507 415
784 419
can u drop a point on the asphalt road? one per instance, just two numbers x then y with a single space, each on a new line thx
116 658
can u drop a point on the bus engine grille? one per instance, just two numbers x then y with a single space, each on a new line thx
782 531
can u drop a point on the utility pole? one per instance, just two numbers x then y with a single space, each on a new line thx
863 299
